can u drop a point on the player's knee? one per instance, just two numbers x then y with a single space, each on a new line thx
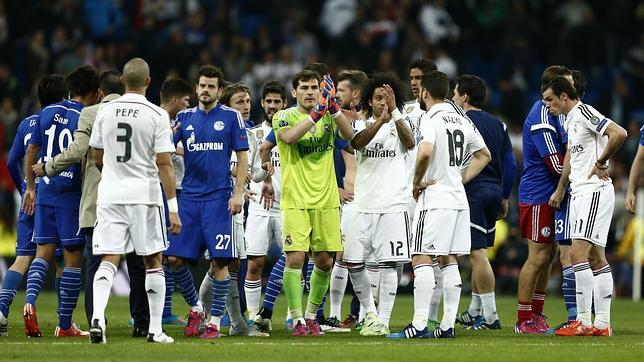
355 267
175 262
324 265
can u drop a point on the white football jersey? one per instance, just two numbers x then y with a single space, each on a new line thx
586 141
239 218
452 136
131 131
412 114
381 185
256 207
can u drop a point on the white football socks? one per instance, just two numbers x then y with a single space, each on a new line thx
423 289
451 295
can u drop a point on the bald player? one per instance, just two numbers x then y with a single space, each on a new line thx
133 147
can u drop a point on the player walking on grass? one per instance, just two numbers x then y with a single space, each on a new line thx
381 226
442 217
132 147
543 155
310 200
264 223
209 133
487 195
592 140
57 201
51 89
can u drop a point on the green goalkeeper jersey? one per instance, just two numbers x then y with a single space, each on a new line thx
308 173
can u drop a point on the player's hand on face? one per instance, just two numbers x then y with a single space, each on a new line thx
175 223
390 97
384 115
629 203
29 202
38 169
236 203
503 211
602 173
268 195
556 198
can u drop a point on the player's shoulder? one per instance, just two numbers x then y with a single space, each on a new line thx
285 113
411 106
186 113
586 111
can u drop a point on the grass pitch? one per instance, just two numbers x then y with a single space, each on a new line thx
503 345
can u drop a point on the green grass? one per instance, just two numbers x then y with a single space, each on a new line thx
503 345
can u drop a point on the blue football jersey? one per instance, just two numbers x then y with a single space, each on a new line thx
543 135
208 141
54 132
642 136
496 139
18 151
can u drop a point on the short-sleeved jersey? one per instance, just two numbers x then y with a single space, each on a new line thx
260 133
54 132
18 151
452 136
495 135
131 131
586 141
208 141
543 136
381 184
308 173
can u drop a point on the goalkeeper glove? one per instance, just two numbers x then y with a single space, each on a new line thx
328 93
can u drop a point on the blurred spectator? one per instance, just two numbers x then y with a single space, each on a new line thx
437 23
338 16
103 17
572 12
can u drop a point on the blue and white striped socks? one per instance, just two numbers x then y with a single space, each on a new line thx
169 290
70 286
10 286
220 289
569 292
275 284
186 284
35 279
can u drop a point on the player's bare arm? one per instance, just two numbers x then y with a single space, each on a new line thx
480 158
422 164
344 126
616 137
29 198
236 202
633 178
362 138
98 158
560 192
166 174
265 156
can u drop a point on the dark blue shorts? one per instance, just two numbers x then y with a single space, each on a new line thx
485 203
24 246
562 224
56 225
206 225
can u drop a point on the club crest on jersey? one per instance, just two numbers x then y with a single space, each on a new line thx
409 108
545 231
288 240
260 133
219 125
327 128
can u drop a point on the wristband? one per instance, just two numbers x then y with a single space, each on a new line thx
397 116
336 114
601 166
173 206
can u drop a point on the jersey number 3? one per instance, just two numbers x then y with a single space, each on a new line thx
126 139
